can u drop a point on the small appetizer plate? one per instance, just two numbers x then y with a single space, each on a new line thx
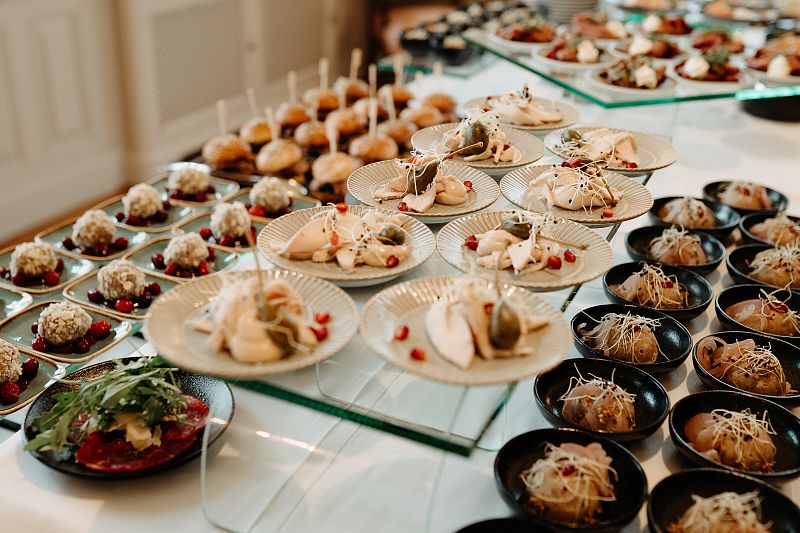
674 6
786 425
48 371
282 229
740 293
727 219
651 405
223 259
700 290
780 202
557 66
674 340
170 328
638 242
785 353
618 51
73 269
363 182
430 139
223 189
13 302
55 236
589 264
514 47
203 221
772 81
77 292
215 393
512 524
406 304
175 214
299 202
521 452
666 88
18 330
569 115
748 221
738 263
636 199
654 153
673 495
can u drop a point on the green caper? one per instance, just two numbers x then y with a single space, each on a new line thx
504 326
392 234
570 135
516 228
476 132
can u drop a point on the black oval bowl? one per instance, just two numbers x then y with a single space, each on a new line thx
638 245
700 291
451 56
779 201
785 424
673 496
739 293
518 454
727 218
748 221
785 352
738 263
212 391
651 405
416 47
674 340
512 524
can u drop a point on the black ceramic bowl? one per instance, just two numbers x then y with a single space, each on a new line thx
727 218
785 424
512 524
518 454
651 405
451 56
700 291
674 340
673 496
785 352
779 201
638 245
416 47
740 293
748 221
738 263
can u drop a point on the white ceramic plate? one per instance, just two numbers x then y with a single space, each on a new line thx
571 67
513 47
283 228
569 115
405 304
590 263
636 199
654 153
761 76
666 88
169 329
363 182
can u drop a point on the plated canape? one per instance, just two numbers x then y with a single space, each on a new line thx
373 146
712 38
291 113
20 266
655 48
672 25
597 26
22 377
522 110
113 436
184 252
190 183
709 217
331 170
776 229
570 54
97 241
230 153
323 99
756 308
692 250
746 197
271 197
142 206
778 60
710 70
229 225
351 86
728 10
524 35
637 75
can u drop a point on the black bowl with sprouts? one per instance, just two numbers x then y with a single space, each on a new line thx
741 268
778 422
779 298
713 190
638 243
748 221
727 219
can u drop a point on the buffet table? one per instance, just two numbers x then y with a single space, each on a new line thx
319 473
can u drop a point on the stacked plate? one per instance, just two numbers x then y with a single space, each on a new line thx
561 11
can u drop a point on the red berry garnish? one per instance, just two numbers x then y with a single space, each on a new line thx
83 345
569 257
157 260
322 318
133 220
205 233
468 184
202 269
166 205
51 279
200 197
68 243
9 393
228 241
35 328
488 308
176 195
417 354
392 261
120 216
212 254
101 250
632 165
402 206
121 243
667 284
258 211
30 368
401 334
60 266
22 384
554 262
471 242
100 329
123 305
171 269
161 216
607 213
320 333
5 272
210 189
341 207
19 279
40 344
154 289
95 296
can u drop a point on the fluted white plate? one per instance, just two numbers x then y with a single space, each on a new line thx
405 304
569 115
169 327
654 153
636 198
591 263
666 88
363 182
573 67
284 228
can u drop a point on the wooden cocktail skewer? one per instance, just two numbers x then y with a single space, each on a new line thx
373 117
399 66
222 117
437 73
333 137
373 80
342 94
390 107
315 109
251 100
272 123
292 82
324 67
356 56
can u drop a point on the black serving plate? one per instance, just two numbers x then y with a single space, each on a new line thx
738 263
673 496
416 47
213 392
785 352
748 221
512 524
651 405
700 291
451 56
727 217
785 424
779 201
638 245
518 454
674 340
740 293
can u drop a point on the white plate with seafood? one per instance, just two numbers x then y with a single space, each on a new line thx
569 115
573 67
537 251
181 325
465 317
592 202
371 245
368 183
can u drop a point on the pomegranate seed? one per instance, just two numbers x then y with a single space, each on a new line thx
154 289
392 261
335 239
157 260
200 197
258 211
568 470
402 206
607 213
205 233
35 328
9 393
68 243
120 243
569 257
202 269
212 254
133 220
40 344
667 284
101 250
417 354
95 296
19 279
171 269
471 242
30 368
5 272
401 334
506 147
60 266
124 305
468 184
227 241
175 195
51 279
320 333
83 345
575 162
341 207
488 308
632 165
554 262
100 329
322 318
120 216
